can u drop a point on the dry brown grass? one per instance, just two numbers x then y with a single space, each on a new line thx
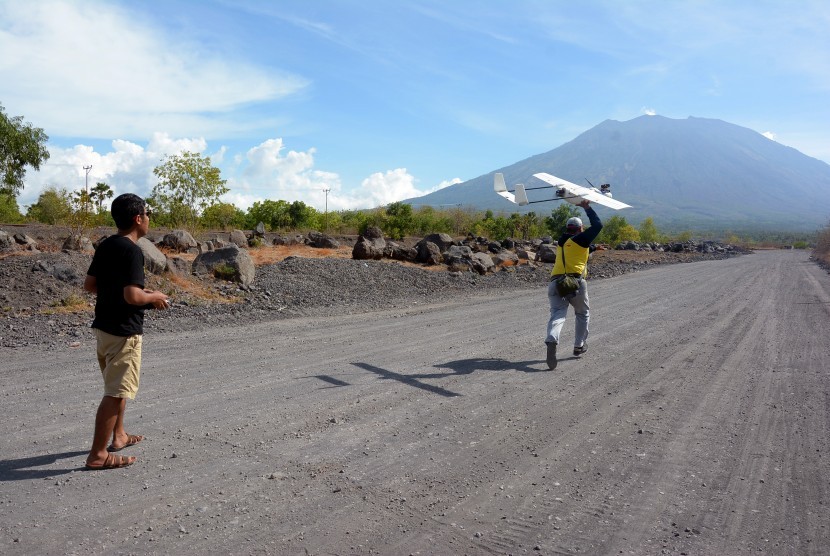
271 254
72 303
187 287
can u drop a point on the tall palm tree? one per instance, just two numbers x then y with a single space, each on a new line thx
100 193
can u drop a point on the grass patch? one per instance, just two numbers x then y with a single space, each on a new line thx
72 303
184 288
225 272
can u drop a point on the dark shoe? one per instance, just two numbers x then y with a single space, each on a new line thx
551 356
580 350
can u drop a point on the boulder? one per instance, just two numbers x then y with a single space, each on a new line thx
321 241
154 260
26 242
78 243
507 258
546 253
259 231
482 263
456 252
59 271
460 265
428 253
178 265
373 232
238 238
6 240
230 263
400 252
443 241
367 248
179 241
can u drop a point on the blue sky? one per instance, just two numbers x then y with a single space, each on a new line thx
379 101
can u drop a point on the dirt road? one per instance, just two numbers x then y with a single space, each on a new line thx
696 424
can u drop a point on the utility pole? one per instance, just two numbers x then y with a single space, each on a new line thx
86 182
326 191
86 199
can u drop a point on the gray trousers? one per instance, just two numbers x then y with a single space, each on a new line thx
559 310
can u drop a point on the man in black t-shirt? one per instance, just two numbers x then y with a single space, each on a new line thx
116 276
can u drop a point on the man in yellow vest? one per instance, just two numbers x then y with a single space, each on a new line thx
573 248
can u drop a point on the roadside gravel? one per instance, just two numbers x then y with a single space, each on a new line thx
43 303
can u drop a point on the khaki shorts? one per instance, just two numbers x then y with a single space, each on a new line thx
120 360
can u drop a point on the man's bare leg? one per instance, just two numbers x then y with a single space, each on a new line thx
109 412
120 438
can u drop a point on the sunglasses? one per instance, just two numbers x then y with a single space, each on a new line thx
148 212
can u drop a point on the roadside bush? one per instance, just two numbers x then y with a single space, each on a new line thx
9 211
53 206
822 249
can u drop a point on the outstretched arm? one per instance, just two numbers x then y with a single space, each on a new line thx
585 238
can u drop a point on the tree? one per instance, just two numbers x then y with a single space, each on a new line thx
188 184
648 231
555 223
9 211
100 193
302 215
616 230
274 214
399 221
81 216
223 216
52 206
21 145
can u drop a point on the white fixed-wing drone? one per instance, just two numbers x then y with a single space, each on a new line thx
564 191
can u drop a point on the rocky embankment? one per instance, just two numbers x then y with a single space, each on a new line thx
42 302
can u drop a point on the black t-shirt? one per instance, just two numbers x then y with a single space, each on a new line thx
117 263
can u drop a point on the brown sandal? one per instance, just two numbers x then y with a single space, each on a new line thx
113 461
132 440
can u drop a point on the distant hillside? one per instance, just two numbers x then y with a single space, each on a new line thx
695 173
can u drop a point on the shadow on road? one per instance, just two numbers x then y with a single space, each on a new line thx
467 366
22 469
409 380
457 368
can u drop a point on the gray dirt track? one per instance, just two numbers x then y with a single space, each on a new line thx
697 424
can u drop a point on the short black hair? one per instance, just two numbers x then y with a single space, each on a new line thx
124 208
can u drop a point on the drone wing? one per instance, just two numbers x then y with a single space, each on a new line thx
576 193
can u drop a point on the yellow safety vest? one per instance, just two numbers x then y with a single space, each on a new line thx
576 258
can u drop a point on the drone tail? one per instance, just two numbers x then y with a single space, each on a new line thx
521 195
498 184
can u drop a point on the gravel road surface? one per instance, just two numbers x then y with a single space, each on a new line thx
696 424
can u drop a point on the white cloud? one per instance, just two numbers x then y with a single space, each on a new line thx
269 172
387 188
127 168
94 69
266 171
769 135
649 111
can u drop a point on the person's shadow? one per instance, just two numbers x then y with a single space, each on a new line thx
469 366
26 468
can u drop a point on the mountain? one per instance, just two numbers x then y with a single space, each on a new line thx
695 173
